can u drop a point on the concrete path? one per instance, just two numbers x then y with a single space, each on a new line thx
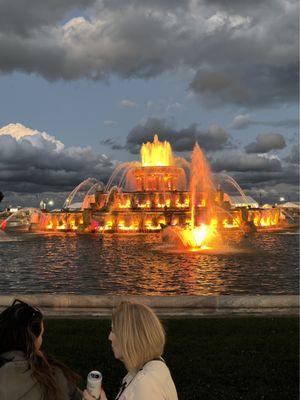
94 306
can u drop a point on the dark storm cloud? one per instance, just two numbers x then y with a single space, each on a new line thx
245 163
285 123
266 142
213 138
272 193
260 176
27 199
24 16
294 156
255 47
247 179
270 186
26 167
112 143
244 7
243 121
253 85
151 4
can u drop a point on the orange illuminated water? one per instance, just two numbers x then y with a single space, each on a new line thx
157 153
197 236
202 192
132 264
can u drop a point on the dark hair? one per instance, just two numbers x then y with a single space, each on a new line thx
20 325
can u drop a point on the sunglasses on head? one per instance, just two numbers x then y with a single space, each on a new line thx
24 312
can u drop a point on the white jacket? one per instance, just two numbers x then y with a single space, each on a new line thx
153 382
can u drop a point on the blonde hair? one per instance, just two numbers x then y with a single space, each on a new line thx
139 332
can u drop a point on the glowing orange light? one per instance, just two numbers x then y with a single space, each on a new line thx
202 203
227 225
256 220
156 153
144 205
133 227
121 224
268 221
128 228
124 205
196 237
108 225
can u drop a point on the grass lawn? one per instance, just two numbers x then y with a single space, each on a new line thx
209 358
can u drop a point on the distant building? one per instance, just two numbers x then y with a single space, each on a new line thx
240 201
295 205
75 206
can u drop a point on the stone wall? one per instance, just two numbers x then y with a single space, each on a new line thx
64 305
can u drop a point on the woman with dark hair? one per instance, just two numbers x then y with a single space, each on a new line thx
25 372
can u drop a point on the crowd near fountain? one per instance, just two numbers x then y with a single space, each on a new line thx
161 193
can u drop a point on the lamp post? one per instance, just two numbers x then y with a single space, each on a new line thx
45 203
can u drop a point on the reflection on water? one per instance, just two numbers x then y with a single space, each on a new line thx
265 264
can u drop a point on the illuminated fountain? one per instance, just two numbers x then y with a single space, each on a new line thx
159 193
201 232
143 196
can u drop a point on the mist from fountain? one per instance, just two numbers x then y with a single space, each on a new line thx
202 194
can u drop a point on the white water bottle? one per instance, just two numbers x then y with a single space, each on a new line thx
94 381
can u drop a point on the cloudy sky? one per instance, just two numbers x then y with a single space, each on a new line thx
84 82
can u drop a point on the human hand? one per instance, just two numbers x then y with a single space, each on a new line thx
88 396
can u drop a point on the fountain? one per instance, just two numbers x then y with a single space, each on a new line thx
160 193
201 232
21 220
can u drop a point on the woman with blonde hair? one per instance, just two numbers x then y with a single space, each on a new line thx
138 339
